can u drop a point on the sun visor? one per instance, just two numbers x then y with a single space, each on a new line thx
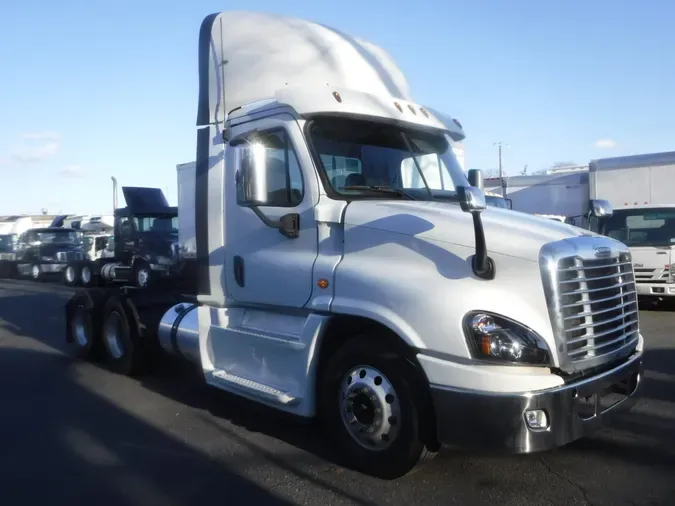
145 200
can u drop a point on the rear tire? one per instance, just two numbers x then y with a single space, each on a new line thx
123 350
86 275
71 274
373 407
82 329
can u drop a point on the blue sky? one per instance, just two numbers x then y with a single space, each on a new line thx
91 89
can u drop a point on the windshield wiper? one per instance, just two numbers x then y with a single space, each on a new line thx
382 189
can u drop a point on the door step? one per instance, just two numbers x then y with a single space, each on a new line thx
253 388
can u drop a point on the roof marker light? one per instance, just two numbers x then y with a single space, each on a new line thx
337 96
412 110
424 111
398 106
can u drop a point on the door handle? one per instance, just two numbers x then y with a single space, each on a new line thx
238 266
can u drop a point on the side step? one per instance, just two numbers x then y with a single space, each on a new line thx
251 387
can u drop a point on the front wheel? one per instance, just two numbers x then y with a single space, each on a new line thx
87 276
35 272
372 406
142 274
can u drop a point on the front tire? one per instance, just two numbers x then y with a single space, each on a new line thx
142 274
372 405
36 272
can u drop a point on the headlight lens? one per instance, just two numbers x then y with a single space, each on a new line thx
162 260
497 339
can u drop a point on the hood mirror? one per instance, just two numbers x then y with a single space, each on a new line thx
601 208
475 177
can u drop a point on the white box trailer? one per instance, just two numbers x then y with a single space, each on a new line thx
639 188
565 194
186 205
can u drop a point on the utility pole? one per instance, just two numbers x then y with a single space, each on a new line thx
501 170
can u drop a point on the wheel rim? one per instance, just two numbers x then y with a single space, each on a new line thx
70 274
80 328
86 275
370 408
35 271
142 277
113 335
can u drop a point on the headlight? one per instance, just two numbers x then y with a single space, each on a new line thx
497 339
162 260
47 259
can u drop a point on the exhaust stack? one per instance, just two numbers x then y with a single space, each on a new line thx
114 180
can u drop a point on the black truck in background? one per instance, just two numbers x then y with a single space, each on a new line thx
144 243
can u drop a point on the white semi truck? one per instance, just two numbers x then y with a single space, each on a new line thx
348 270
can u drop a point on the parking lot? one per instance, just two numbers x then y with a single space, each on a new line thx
74 433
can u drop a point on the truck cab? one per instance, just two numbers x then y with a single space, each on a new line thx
347 268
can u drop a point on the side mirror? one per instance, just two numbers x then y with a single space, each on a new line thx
471 199
475 178
252 175
601 208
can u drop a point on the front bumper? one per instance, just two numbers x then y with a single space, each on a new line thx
497 421
655 290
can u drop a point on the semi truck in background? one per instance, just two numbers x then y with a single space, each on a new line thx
639 189
11 228
142 248
386 300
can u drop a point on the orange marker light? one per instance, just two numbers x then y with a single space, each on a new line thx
485 343
322 283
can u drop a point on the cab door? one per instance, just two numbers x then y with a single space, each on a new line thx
262 266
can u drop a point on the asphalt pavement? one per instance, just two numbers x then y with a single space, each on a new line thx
73 433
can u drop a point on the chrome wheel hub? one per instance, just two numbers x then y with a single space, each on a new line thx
86 275
70 274
370 408
35 272
80 328
142 277
113 336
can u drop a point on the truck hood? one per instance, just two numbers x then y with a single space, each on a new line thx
507 232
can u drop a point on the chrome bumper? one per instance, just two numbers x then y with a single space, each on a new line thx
655 290
498 421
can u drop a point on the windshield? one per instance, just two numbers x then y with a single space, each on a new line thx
360 153
161 224
87 241
494 201
7 240
641 227
69 237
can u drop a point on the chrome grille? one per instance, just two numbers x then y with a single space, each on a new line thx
591 294
69 256
643 275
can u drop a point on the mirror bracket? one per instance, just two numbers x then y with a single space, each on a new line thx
472 201
288 225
